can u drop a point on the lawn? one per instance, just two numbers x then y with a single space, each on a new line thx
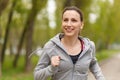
10 73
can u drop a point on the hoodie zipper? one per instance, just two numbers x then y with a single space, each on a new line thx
73 71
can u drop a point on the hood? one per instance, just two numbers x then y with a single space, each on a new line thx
57 42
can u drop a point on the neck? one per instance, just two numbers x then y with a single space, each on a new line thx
70 41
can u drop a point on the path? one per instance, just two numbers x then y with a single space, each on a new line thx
110 68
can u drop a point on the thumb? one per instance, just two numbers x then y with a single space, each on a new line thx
59 57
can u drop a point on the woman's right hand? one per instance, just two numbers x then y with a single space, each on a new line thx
55 61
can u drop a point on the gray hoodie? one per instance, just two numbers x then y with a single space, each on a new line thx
67 70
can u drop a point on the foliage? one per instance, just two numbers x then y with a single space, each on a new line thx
104 29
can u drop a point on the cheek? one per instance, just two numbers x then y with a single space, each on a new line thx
63 25
78 28
62 28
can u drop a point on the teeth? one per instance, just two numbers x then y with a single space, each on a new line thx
69 30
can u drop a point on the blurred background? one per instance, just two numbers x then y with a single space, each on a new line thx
26 25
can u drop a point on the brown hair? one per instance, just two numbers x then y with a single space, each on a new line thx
75 9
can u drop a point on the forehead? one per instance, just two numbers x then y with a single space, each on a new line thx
71 13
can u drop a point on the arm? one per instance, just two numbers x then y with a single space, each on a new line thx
44 69
94 67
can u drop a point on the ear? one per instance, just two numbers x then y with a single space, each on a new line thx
82 25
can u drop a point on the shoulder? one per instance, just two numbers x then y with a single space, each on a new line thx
91 44
49 44
88 42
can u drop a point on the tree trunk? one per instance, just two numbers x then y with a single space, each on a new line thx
67 3
19 46
29 45
7 31
0 52
30 23
3 5
0 64
28 26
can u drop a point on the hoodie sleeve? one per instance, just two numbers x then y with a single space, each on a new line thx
94 66
44 69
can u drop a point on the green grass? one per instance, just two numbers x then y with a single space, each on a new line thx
10 73
106 54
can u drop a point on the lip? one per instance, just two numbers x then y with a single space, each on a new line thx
69 29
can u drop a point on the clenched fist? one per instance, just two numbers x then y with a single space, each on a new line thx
55 61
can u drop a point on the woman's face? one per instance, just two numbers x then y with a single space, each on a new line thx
71 23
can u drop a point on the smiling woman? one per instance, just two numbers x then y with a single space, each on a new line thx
68 55
72 22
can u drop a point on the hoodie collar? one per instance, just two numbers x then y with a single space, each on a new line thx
56 40
86 42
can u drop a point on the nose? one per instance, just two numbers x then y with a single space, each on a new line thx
69 23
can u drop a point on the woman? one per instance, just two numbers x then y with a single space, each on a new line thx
68 56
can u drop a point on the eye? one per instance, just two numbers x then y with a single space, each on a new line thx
65 20
74 20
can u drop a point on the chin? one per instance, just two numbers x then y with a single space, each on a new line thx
69 34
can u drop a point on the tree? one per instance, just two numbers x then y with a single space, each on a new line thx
3 5
30 23
7 31
106 26
27 33
116 19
